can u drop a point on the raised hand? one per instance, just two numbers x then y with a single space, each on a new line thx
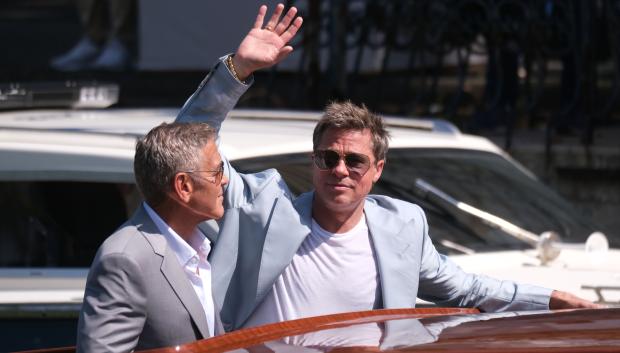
266 46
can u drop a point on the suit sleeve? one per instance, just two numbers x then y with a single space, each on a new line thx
445 283
215 97
114 307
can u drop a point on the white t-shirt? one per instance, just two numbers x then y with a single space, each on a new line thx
330 273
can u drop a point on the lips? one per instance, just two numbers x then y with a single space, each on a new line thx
339 186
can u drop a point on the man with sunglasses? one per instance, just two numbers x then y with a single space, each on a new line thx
336 248
149 285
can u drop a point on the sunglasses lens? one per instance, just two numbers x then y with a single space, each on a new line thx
326 159
331 159
357 162
319 161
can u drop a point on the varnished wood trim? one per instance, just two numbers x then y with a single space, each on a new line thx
255 335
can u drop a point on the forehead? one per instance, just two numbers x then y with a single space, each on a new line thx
347 140
210 154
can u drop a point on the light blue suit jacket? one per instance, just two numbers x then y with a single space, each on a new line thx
264 225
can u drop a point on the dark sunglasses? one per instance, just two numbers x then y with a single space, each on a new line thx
355 162
217 173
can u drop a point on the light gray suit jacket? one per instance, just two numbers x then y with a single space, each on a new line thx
264 225
137 294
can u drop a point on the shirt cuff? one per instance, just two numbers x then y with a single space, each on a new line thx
537 298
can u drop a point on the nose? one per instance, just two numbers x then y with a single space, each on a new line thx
340 170
224 181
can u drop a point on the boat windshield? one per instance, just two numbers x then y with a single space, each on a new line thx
482 179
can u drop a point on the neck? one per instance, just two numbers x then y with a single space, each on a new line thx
181 222
336 221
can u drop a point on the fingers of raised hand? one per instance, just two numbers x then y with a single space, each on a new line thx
286 21
286 27
275 17
258 23
284 52
291 30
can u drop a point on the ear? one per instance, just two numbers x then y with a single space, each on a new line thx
183 187
379 168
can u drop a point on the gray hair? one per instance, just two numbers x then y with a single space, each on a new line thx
349 116
166 150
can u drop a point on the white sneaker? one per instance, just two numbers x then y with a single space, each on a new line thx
78 58
113 57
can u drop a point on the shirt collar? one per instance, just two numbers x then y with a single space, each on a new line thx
182 249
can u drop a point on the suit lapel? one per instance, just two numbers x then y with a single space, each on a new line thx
173 272
288 228
223 256
398 263
218 328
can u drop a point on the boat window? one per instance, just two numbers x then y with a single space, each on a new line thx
484 180
59 224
